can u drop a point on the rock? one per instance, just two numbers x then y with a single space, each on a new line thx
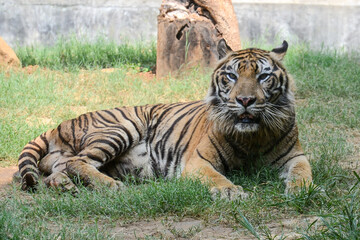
189 31
8 57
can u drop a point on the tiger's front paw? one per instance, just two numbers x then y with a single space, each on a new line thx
116 185
296 186
228 193
108 183
61 181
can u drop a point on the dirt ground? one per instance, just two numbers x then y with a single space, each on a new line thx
190 228
6 175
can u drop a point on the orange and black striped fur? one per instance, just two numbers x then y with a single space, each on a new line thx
247 115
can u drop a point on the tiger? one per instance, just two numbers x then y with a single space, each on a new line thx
248 115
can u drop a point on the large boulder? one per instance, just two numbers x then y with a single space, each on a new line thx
8 57
189 31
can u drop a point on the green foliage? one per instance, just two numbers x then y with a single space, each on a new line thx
75 53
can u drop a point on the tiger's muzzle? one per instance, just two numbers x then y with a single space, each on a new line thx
247 120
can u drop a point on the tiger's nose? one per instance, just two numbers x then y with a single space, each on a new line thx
245 101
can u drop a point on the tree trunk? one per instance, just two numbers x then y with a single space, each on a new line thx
189 31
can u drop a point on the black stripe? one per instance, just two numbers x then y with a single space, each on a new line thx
57 151
80 121
73 132
59 164
92 157
241 57
93 119
275 67
34 149
131 140
136 108
125 130
199 154
131 121
63 139
107 153
104 141
284 154
104 119
281 79
169 160
83 160
158 146
188 124
24 163
27 162
86 123
166 135
27 154
42 152
280 139
286 84
152 109
111 114
187 105
178 119
182 134
222 158
290 159
42 137
154 165
122 143
159 120
178 155
30 170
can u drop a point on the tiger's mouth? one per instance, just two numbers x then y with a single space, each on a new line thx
248 118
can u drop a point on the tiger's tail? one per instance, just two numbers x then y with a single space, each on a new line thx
31 154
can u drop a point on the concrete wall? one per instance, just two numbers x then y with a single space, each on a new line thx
43 21
329 22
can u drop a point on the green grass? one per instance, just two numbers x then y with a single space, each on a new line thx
328 113
75 53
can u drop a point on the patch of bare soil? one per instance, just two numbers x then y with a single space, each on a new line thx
6 175
30 69
353 162
145 76
189 228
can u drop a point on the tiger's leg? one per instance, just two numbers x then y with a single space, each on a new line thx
205 163
85 166
220 186
296 172
54 165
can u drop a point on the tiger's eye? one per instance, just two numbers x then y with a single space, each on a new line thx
263 77
232 77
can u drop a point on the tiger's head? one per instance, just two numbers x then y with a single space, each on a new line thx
251 90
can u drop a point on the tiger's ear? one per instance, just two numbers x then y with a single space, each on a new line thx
223 49
279 52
